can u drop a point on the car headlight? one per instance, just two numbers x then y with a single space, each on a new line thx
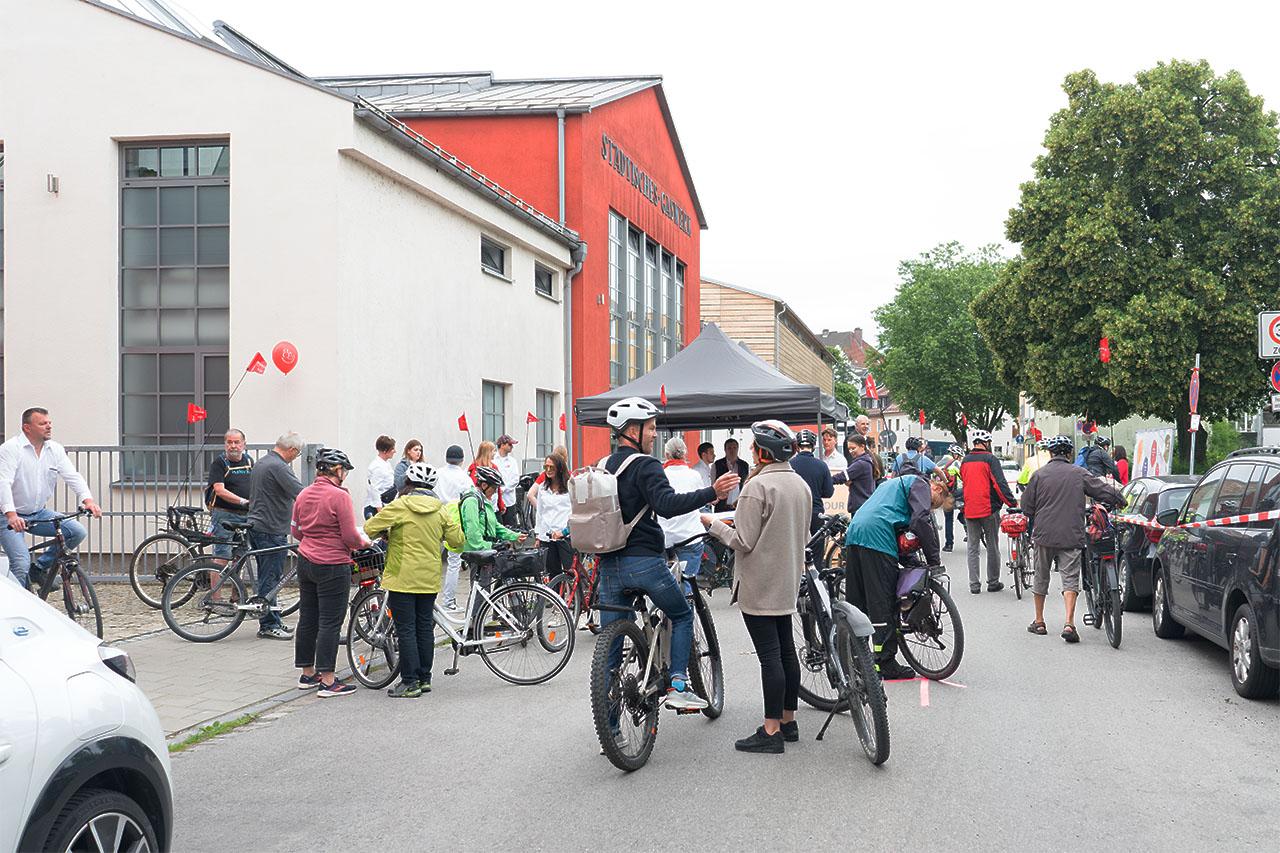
118 661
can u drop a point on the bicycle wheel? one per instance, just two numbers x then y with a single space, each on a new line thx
870 711
562 585
626 718
1092 585
1112 613
811 649
212 611
516 627
1015 568
934 644
1027 552
290 596
706 669
79 598
833 558
156 559
373 648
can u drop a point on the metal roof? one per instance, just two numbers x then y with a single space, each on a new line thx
424 94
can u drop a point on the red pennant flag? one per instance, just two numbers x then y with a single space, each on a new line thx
195 413
530 419
1104 350
562 422
922 417
662 396
257 365
964 419
462 422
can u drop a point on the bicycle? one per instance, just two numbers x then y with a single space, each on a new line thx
78 595
500 624
626 698
721 574
578 588
159 557
1100 578
833 645
1014 525
206 601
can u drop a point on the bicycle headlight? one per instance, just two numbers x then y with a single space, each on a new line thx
119 662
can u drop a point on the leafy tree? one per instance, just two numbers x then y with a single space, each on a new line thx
848 387
1153 219
932 355
1223 438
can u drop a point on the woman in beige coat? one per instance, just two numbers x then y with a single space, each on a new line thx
771 528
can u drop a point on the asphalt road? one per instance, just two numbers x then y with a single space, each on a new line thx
1045 746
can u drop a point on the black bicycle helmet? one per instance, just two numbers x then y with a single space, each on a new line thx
328 458
1101 440
1059 445
489 476
913 443
775 437
806 438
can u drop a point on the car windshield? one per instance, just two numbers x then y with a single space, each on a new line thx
1173 498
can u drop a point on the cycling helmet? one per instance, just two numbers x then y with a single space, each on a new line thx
806 438
328 458
913 443
1061 445
422 473
980 435
956 451
775 437
628 411
489 476
1101 440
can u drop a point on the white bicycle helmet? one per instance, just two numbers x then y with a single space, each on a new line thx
1060 444
982 435
956 451
421 473
630 410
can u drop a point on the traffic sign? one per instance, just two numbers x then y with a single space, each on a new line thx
1275 402
1269 334
1195 423
1275 376
1195 389
888 439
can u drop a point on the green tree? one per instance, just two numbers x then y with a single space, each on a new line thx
1223 438
932 355
848 388
1153 219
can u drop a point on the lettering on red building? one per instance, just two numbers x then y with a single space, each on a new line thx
648 187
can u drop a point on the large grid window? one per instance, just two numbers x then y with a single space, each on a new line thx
1 293
546 406
174 291
646 294
494 411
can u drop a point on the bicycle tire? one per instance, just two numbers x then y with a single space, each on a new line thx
562 585
224 615
522 608
1112 612
871 713
947 613
79 598
833 556
373 649
625 694
1027 549
156 559
811 649
289 598
1015 566
1089 582
706 647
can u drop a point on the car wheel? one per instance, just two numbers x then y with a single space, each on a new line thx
1161 620
107 821
1129 600
1252 678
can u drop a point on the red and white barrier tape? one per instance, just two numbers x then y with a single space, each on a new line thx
1247 518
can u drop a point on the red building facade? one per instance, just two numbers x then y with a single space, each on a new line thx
627 191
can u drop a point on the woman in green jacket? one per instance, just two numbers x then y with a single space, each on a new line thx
416 526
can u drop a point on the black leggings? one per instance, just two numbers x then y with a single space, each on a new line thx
779 666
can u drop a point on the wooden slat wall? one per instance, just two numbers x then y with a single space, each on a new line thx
741 316
801 363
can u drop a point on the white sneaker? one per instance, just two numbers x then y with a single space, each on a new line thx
684 700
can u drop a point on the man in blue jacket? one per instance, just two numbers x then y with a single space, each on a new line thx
814 472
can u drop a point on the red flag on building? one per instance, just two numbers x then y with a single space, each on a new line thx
922 417
562 422
530 419
195 413
257 365
662 396
870 390
462 422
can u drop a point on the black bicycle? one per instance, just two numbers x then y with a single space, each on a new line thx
1100 577
78 595
837 668
160 556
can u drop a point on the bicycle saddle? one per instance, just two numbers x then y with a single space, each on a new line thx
479 558
237 525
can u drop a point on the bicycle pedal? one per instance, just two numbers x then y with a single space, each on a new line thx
683 711
451 671
1088 620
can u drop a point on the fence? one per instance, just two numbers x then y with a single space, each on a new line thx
134 485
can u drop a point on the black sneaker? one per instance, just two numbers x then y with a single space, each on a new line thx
975 588
761 742
308 682
35 579
894 671
994 586
405 690
338 688
790 732
946 547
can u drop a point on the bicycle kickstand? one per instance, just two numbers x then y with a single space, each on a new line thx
830 717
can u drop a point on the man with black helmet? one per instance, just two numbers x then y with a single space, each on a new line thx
814 472
1098 461
643 491
913 461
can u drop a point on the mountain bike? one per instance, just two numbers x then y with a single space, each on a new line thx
837 668
206 600
578 587
159 557
520 629
78 595
1100 577
626 698
1014 525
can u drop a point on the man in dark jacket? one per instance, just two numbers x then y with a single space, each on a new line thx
643 490
814 472
1098 461
730 463
985 489
1054 501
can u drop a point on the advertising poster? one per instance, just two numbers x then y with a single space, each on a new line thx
838 502
1152 453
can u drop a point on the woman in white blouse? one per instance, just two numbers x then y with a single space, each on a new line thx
552 521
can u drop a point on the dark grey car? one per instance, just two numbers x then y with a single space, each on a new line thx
1136 545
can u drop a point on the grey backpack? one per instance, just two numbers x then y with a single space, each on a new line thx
595 517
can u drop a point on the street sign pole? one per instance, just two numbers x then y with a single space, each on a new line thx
1195 400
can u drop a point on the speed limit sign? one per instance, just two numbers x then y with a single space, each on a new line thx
1269 334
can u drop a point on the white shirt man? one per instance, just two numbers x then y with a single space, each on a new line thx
452 481
706 458
509 468
831 454
380 476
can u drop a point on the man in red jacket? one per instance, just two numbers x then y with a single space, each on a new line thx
985 489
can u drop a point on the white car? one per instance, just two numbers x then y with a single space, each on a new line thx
83 759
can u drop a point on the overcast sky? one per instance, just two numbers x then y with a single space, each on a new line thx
826 145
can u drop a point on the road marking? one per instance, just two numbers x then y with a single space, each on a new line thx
924 693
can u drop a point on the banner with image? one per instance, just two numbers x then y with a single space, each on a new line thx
1152 453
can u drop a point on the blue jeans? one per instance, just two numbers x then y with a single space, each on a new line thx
691 556
38 524
221 535
270 567
651 575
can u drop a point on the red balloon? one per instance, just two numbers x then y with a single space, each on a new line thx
285 355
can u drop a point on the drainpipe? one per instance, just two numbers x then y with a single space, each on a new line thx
578 256
560 159
777 336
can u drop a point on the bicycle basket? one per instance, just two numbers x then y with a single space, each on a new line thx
519 564
369 563
1014 524
189 522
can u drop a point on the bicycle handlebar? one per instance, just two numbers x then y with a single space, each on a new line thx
63 517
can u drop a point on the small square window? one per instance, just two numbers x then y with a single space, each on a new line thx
493 256
544 281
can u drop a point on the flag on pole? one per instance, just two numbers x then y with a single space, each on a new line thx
964 420
462 423
1104 350
530 419
195 413
922 417
562 422
870 391
257 365
662 396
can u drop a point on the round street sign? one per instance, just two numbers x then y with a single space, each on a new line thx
888 439
1275 376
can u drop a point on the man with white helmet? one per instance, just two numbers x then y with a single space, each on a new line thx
643 492
985 490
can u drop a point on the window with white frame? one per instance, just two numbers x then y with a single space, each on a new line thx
493 256
544 281
547 423
494 410
646 298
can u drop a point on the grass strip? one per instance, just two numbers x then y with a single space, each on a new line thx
212 731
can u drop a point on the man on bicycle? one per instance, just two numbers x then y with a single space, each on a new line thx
871 579
1054 501
643 491
30 465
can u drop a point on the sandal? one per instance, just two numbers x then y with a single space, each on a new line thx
1069 634
1038 628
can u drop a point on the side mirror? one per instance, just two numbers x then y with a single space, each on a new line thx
1169 517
